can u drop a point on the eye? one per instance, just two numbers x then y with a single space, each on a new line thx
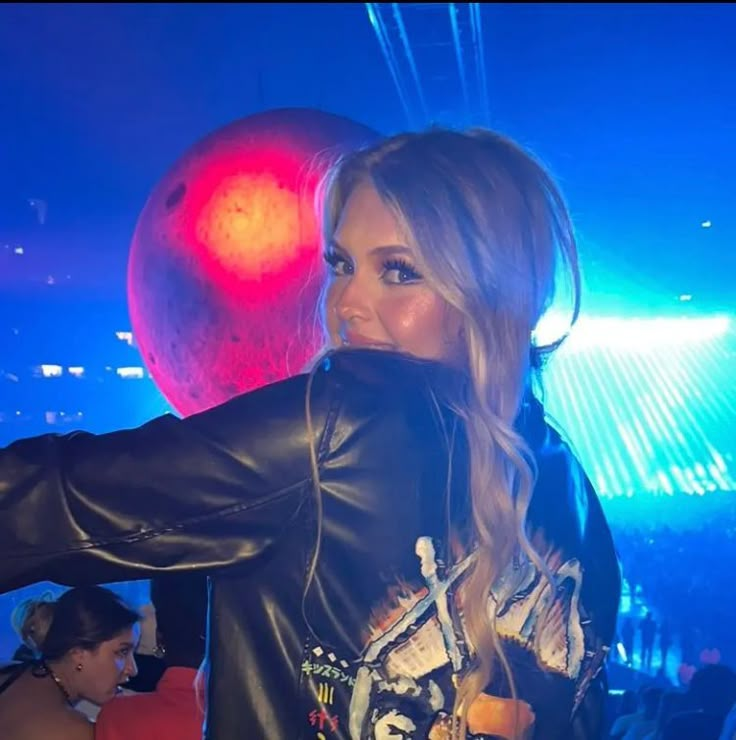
339 265
124 652
399 272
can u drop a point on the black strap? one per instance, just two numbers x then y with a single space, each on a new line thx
10 674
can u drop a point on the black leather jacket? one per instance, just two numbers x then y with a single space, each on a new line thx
373 646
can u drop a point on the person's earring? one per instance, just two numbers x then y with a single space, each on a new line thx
79 667
159 651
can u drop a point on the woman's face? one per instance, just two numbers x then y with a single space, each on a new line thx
377 296
107 666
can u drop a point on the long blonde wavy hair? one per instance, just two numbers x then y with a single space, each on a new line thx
492 230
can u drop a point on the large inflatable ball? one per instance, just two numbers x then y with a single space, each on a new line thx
225 272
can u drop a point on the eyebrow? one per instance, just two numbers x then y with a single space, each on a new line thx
380 251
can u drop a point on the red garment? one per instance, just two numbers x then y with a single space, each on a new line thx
171 712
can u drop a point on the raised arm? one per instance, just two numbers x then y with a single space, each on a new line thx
206 491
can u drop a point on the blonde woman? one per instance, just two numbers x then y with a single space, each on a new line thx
404 547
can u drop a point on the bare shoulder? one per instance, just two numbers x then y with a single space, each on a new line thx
59 725
75 726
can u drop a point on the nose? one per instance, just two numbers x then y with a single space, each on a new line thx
131 667
351 299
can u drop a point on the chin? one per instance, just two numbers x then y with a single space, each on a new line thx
111 694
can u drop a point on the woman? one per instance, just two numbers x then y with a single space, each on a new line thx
173 710
83 646
401 545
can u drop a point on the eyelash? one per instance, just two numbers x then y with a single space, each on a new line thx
402 266
333 259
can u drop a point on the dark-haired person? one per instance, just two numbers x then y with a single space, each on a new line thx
82 646
175 710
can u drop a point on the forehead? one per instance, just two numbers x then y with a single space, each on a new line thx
366 221
131 635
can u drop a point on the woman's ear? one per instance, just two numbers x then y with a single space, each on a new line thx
78 658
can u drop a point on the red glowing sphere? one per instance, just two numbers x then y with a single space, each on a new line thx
224 274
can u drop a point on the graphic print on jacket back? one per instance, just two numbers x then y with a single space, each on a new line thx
418 648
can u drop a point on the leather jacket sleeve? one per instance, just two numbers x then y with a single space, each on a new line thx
206 491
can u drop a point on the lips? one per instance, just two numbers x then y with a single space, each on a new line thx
353 339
